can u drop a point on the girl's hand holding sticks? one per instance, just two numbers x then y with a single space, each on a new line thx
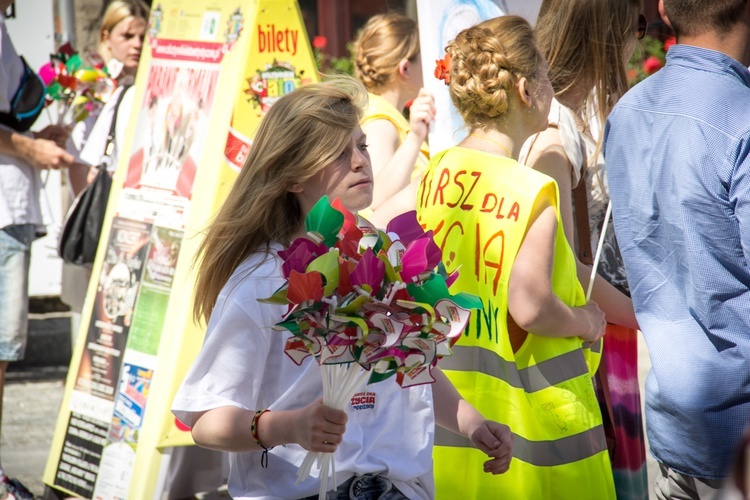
320 428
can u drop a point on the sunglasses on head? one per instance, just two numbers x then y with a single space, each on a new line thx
641 27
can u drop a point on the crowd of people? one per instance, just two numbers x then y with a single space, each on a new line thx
540 397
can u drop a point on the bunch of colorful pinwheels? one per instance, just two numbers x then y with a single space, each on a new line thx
77 88
368 305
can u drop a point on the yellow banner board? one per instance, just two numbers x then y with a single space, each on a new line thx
209 71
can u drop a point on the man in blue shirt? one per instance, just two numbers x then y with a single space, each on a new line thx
677 149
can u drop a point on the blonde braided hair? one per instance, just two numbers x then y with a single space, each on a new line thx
487 60
384 41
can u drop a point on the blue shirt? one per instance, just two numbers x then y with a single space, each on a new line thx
677 153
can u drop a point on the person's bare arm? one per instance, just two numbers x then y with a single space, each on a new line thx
228 428
531 300
548 156
455 414
41 151
78 174
393 163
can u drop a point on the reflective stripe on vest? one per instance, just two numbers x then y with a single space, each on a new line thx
540 453
533 378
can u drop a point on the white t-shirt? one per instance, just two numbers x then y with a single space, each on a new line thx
242 363
20 183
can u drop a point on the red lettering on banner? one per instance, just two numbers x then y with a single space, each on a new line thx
514 210
273 39
451 255
488 252
424 187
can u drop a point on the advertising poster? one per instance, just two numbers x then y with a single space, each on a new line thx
93 396
439 23
119 281
281 60
174 112
139 364
209 71
81 454
156 285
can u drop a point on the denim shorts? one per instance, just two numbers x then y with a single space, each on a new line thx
15 252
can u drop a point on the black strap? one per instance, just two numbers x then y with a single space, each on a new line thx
580 202
110 144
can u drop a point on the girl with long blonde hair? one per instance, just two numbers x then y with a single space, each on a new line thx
242 394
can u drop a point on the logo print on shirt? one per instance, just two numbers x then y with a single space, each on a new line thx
363 401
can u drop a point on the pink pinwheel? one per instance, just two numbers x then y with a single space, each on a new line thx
299 255
406 227
369 272
421 255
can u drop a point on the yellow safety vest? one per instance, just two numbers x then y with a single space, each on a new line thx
479 206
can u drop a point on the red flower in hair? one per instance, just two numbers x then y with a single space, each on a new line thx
320 42
443 69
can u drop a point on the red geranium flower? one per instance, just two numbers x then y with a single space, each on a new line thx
443 69
669 42
320 42
652 65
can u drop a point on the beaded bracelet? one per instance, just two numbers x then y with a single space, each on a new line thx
254 432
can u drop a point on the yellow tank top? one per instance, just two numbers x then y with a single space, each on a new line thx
380 109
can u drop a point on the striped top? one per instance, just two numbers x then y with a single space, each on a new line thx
677 148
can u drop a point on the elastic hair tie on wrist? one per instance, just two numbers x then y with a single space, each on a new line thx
254 432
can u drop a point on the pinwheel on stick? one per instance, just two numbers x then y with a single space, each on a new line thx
77 88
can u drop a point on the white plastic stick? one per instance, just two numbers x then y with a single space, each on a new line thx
599 250
340 383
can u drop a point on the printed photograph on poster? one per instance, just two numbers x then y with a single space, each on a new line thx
439 23
130 404
173 114
115 298
153 299
162 257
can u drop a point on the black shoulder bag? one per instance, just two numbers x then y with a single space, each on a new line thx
83 223
27 103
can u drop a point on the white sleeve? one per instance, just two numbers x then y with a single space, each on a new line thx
229 368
